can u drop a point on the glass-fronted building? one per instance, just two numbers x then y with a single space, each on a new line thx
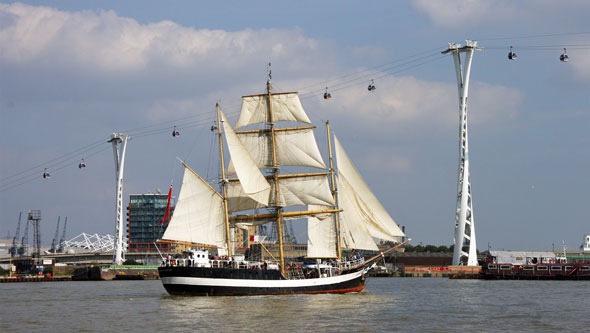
144 214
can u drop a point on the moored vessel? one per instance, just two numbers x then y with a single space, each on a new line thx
533 265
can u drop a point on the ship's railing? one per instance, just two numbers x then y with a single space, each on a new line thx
295 274
224 263
350 264
291 273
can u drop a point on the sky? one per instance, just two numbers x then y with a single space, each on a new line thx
74 72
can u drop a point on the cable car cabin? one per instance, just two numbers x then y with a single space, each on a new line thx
371 86
512 55
81 165
175 133
46 174
327 94
563 57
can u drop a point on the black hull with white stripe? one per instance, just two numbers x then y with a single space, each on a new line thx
206 281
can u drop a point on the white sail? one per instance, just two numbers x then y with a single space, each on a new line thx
285 107
353 230
199 215
251 179
377 221
321 235
294 147
304 190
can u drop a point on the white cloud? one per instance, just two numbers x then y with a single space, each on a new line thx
108 42
580 61
155 61
469 13
457 13
407 102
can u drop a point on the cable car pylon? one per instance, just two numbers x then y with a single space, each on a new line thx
119 142
464 225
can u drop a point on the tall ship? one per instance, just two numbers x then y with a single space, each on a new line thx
273 134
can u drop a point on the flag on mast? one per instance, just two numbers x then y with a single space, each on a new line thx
167 205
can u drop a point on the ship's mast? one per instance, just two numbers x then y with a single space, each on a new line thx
334 193
464 224
224 183
275 177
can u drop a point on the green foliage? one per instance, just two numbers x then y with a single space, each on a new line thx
4 272
429 248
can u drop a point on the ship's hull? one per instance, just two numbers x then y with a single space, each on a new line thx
202 281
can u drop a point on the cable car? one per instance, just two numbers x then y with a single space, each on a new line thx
371 86
563 57
327 95
175 133
46 174
512 55
81 164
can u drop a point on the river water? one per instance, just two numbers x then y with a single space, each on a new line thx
387 304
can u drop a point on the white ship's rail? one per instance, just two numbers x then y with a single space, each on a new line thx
327 269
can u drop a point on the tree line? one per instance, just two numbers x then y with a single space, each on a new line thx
428 248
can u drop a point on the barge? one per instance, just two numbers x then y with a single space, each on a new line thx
521 265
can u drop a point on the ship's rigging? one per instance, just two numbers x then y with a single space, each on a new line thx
256 191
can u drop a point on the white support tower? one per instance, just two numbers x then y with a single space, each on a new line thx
464 224
119 152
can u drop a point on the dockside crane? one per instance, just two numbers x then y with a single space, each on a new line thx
54 244
13 249
24 243
62 240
